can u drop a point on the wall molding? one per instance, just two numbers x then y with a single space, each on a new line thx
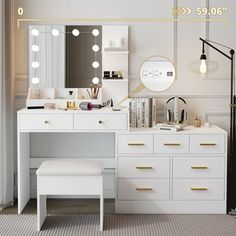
206 33
207 114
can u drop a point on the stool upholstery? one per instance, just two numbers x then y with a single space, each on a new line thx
70 167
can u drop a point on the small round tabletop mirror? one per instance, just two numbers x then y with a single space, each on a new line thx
157 73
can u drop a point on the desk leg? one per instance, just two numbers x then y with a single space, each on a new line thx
101 206
23 168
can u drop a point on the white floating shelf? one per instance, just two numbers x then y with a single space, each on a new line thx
115 80
115 51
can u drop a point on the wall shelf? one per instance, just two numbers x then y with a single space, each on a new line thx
115 52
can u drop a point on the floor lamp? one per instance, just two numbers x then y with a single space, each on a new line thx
232 144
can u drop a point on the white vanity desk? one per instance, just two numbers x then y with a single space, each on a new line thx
48 121
156 171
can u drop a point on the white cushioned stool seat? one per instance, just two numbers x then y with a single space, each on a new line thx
70 167
68 177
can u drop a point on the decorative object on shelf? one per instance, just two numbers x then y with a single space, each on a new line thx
71 105
112 74
143 112
197 122
232 152
120 42
176 113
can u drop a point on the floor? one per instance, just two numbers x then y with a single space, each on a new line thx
65 206
63 219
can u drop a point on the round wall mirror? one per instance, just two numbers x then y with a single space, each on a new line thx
157 73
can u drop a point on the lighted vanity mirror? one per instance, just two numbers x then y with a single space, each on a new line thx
157 73
63 56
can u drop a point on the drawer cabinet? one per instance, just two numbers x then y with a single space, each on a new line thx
100 121
165 172
135 144
207 144
46 121
171 143
198 167
143 167
143 189
200 189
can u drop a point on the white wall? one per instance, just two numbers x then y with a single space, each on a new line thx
208 94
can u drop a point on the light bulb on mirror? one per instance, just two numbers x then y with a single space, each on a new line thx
95 48
35 80
95 32
203 67
95 80
55 32
35 32
35 64
95 64
75 32
35 48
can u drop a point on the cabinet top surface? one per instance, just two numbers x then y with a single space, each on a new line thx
189 129
61 111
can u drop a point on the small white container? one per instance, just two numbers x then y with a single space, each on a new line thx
109 43
120 42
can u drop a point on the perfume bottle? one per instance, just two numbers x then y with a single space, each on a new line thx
197 122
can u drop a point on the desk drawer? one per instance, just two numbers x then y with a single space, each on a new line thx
135 143
46 121
143 167
203 189
171 143
207 144
100 121
198 167
140 189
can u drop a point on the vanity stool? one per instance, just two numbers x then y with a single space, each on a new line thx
68 177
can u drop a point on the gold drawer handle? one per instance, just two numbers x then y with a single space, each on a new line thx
144 167
172 144
207 144
144 189
199 167
199 188
136 144
46 122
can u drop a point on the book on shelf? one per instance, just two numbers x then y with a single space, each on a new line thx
143 112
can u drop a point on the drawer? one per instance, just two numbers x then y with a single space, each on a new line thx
100 121
195 189
46 121
207 144
171 143
198 167
135 143
143 189
143 167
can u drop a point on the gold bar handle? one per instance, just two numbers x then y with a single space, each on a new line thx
144 167
143 189
199 188
136 144
199 167
171 144
207 144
